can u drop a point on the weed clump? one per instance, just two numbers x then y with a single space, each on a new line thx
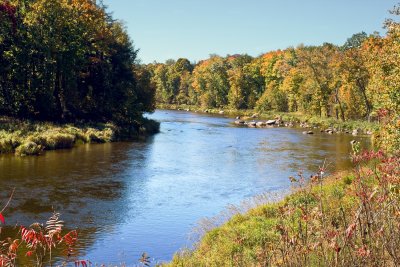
28 149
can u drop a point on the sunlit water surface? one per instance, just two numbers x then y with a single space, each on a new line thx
127 198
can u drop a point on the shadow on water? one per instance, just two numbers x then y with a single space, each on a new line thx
86 184
127 198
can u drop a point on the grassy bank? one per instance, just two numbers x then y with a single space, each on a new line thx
31 138
295 117
349 219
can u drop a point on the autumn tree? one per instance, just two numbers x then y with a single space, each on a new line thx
65 61
210 82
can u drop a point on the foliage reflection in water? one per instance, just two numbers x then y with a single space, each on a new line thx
127 198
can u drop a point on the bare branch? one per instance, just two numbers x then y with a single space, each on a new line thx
8 202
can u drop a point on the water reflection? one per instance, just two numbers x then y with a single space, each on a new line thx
132 197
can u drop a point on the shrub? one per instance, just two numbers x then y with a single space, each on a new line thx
94 136
59 141
80 136
28 149
8 144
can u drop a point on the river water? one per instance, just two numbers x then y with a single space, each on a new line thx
132 197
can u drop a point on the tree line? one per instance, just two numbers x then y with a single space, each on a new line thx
69 60
352 81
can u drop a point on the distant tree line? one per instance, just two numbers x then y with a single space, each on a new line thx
69 60
353 81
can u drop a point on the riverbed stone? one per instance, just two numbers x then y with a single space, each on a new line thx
240 122
260 124
252 124
356 132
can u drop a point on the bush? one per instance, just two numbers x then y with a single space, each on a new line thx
59 141
94 136
8 144
28 149
80 137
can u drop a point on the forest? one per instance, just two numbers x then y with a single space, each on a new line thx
327 80
70 75
68 61
358 80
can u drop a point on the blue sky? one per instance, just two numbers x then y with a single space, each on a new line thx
194 29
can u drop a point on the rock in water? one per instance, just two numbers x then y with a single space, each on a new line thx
252 124
260 124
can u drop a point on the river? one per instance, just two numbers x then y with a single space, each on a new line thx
132 197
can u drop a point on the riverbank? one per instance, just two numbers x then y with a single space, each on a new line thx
348 219
25 138
292 119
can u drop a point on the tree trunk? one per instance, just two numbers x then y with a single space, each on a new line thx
340 103
362 89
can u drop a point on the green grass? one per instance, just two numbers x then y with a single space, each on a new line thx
26 138
251 238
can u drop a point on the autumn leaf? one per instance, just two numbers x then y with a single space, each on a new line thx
2 219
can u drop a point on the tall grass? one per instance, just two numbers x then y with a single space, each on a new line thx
31 138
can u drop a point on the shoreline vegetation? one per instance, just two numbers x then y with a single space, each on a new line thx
345 219
27 138
53 85
81 85
286 119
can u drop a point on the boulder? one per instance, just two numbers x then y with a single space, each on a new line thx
355 132
260 124
240 122
221 112
308 132
252 124
329 131
271 122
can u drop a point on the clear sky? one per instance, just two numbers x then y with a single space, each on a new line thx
194 29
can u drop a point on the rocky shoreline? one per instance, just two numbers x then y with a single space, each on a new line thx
290 120
253 122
